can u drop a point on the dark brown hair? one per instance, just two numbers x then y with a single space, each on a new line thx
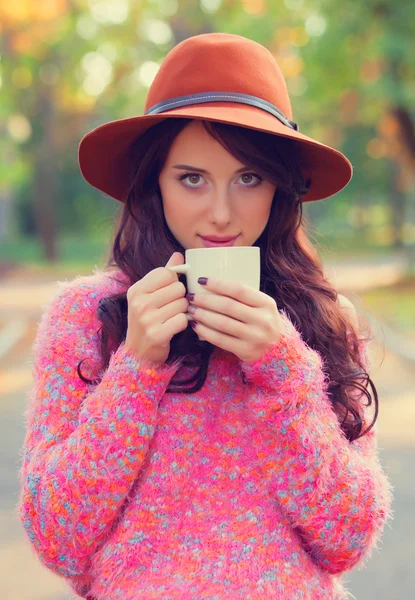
291 271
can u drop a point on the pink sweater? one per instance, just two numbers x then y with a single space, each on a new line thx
243 490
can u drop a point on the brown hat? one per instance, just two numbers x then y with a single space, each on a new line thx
218 77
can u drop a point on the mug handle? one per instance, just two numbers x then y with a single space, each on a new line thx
182 269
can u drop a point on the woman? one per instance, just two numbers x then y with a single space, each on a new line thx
233 459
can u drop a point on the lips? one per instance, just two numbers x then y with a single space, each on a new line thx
209 242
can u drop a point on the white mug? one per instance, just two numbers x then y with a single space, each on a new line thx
232 263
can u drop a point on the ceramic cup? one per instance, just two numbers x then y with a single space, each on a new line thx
232 263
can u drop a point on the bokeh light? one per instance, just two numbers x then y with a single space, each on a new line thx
291 65
22 77
108 11
210 6
98 73
254 7
148 71
168 8
298 36
155 30
86 27
19 128
315 25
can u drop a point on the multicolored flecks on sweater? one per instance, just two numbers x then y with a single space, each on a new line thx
247 489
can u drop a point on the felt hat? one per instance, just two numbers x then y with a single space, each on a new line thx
218 77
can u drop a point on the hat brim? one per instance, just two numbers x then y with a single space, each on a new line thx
105 159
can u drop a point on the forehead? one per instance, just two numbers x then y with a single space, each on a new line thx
195 143
193 135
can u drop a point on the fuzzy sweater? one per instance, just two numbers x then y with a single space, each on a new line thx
247 489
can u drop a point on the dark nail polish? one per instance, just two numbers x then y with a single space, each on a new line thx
193 324
202 280
190 297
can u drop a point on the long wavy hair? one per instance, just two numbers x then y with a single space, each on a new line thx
291 271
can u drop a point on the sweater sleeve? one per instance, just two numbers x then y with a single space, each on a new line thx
83 447
334 492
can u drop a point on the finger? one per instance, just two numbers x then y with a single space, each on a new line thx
239 291
220 339
225 306
175 259
252 316
223 323
155 280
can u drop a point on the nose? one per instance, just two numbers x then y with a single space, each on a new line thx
220 209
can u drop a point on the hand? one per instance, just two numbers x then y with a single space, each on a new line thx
236 318
156 312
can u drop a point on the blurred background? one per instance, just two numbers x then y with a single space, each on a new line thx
66 66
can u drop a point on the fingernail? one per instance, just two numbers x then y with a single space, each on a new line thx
193 324
202 280
190 297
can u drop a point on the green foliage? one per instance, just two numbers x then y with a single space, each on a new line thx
74 250
362 49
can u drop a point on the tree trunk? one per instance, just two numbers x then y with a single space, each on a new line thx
398 205
5 213
46 178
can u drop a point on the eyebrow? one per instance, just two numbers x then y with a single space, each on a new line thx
190 168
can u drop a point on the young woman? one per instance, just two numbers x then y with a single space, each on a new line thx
233 459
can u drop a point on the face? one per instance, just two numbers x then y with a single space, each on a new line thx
226 199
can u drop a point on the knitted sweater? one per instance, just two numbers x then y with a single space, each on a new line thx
246 489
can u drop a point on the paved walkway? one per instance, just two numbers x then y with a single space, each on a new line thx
389 573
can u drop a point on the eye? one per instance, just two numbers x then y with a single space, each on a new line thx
259 179
188 175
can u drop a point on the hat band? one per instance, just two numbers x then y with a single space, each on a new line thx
172 103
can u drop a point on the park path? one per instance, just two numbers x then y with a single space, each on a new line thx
389 573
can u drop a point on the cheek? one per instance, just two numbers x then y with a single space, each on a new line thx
260 210
173 204
179 214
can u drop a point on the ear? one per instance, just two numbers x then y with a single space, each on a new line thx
349 311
